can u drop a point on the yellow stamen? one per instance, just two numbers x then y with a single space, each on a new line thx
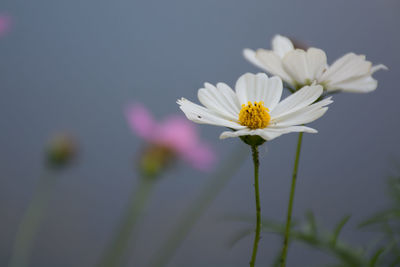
254 116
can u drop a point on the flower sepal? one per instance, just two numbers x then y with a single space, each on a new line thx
252 140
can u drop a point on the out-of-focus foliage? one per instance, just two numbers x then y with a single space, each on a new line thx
310 233
387 223
383 253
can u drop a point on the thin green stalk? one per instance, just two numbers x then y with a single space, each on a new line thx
290 207
216 183
256 162
30 222
123 235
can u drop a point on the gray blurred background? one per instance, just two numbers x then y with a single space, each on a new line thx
73 65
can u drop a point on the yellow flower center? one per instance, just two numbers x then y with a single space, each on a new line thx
254 116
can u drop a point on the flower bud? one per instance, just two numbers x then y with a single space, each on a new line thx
155 159
61 151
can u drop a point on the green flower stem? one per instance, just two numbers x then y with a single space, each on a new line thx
290 205
189 218
256 162
31 220
123 235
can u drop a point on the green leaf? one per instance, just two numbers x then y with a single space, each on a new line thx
338 228
375 257
395 262
312 223
381 217
394 188
239 236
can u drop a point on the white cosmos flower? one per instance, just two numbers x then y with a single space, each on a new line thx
254 108
297 67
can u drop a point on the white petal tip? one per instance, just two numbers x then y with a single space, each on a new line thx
180 101
249 54
378 67
248 51
224 135
278 37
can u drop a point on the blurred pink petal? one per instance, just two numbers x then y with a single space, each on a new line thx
175 132
201 157
181 135
5 24
141 121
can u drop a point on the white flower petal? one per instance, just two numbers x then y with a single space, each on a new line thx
230 96
347 67
364 84
263 133
249 87
305 66
351 73
302 98
271 132
259 87
267 133
281 45
378 67
238 133
250 55
273 92
302 116
202 115
272 63
219 100
317 62
290 129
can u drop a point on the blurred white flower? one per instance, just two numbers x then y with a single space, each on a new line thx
255 108
297 67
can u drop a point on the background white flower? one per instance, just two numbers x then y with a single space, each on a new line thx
254 109
297 67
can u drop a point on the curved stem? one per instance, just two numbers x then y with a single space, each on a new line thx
189 218
254 150
31 221
290 207
123 235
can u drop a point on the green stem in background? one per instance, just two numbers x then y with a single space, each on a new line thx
31 220
256 162
216 183
123 235
290 205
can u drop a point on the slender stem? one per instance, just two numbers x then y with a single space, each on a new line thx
189 218
123 235
290 205
30 222
254 150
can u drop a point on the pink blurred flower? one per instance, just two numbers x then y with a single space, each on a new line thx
5 24
174 132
